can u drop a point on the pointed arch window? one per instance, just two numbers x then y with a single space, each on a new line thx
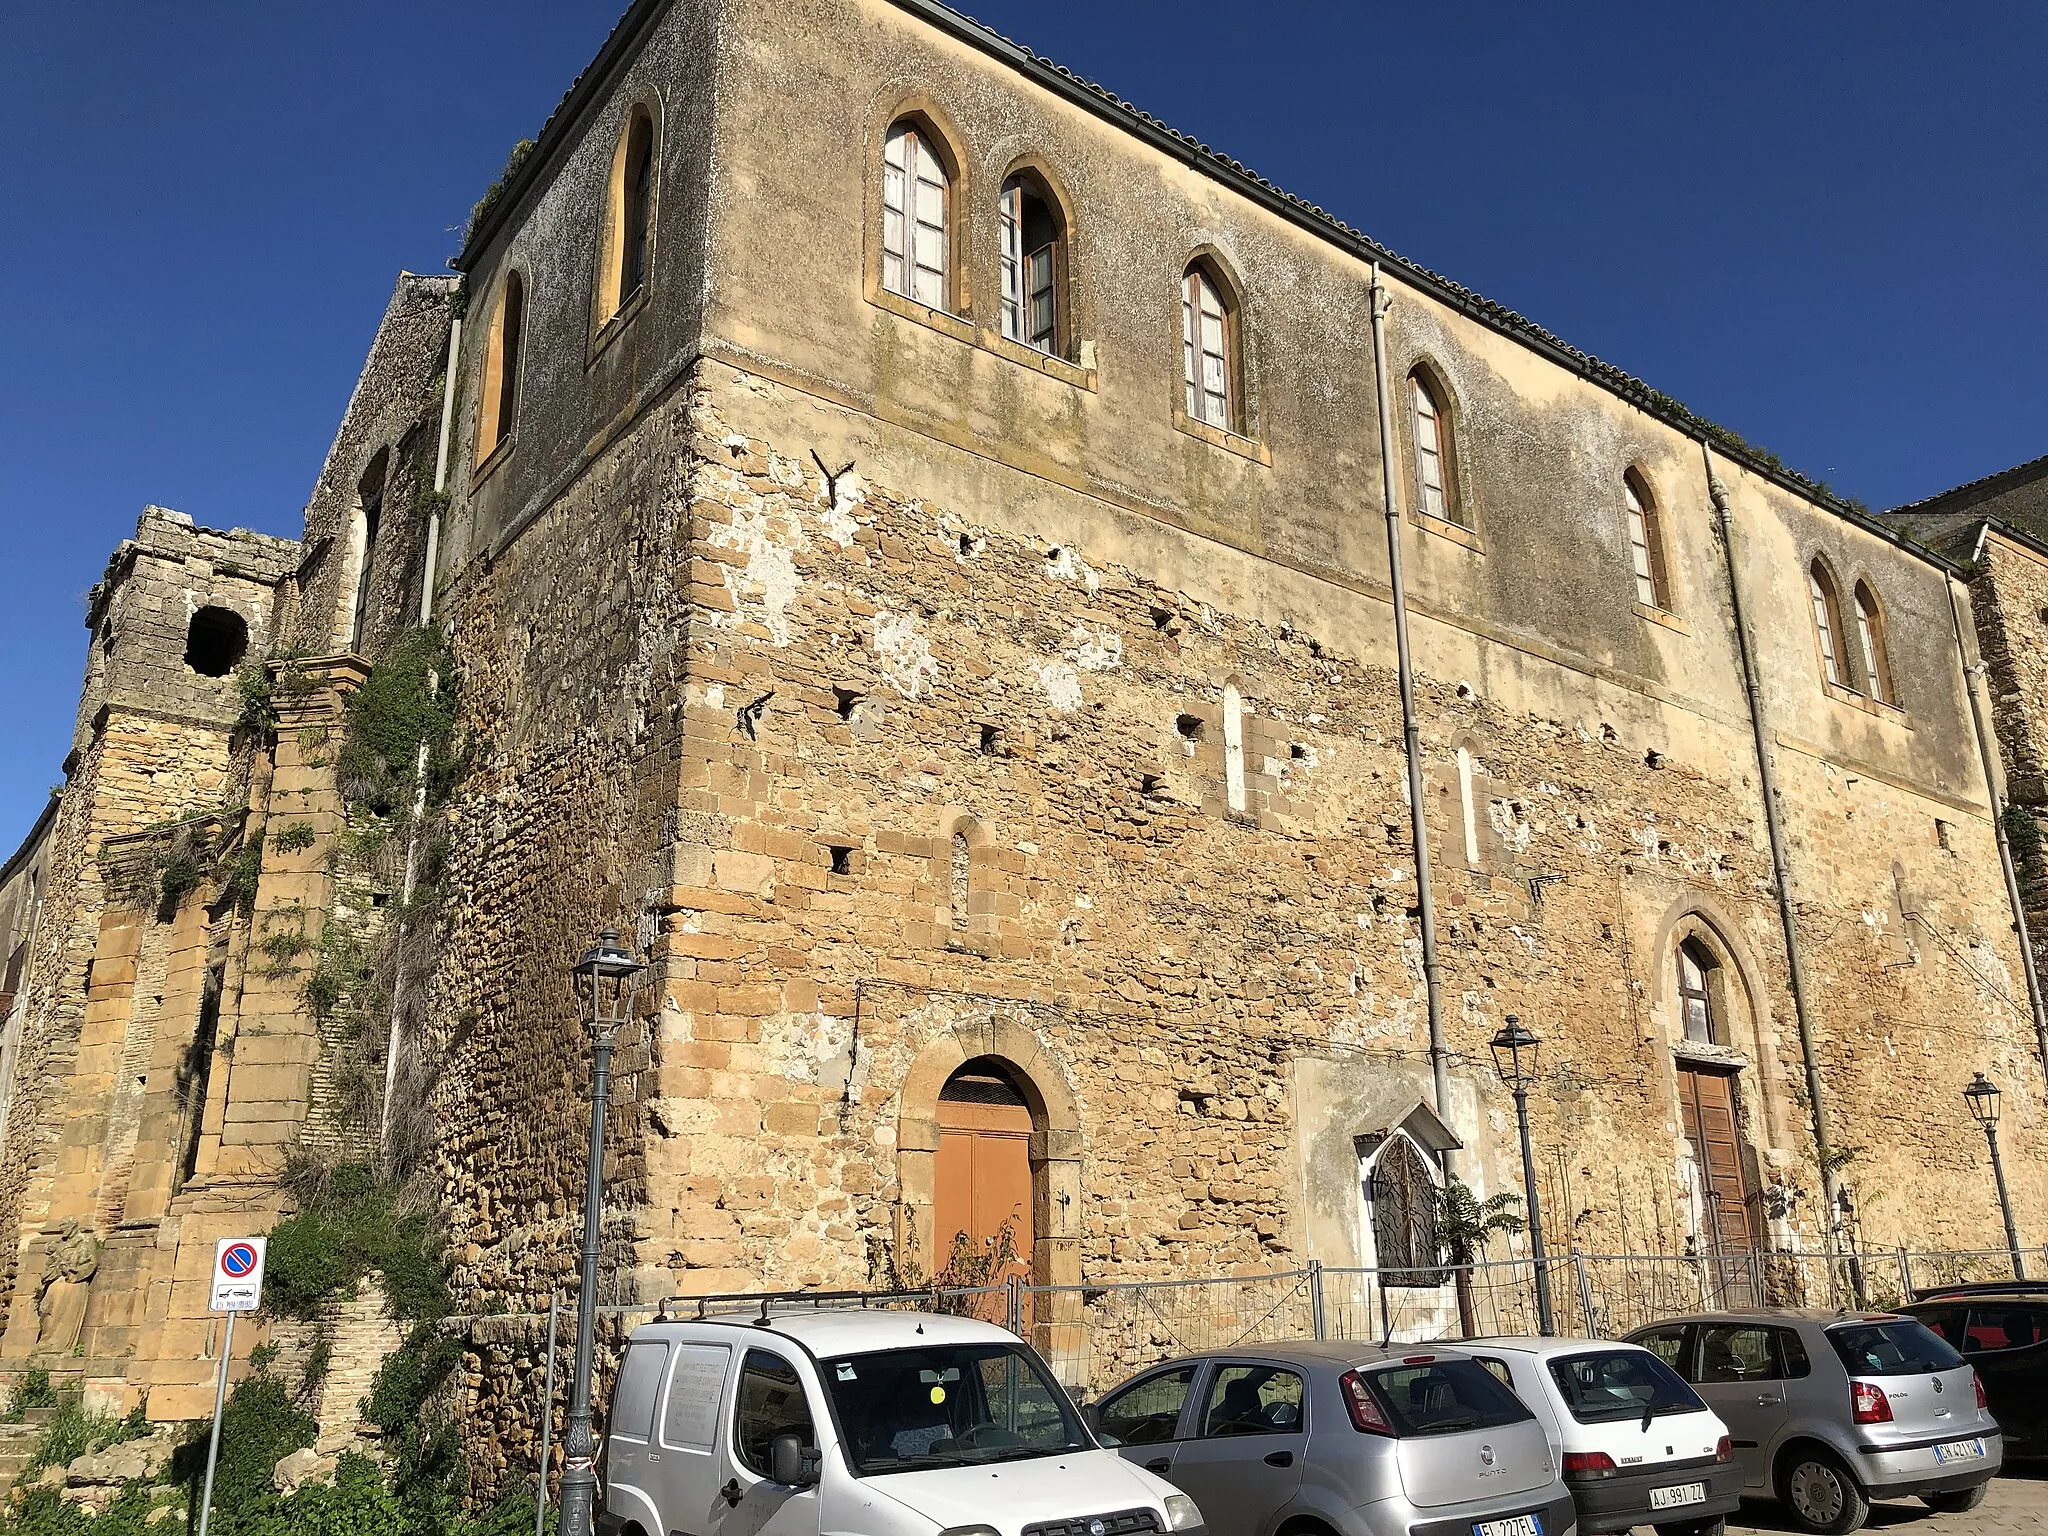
1208 329
917 208
1696 967
1430 432
1827 623
1405 1197
1030 258
1646 543
499 406
1877 670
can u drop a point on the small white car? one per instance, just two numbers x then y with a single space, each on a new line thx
1637 1445
860 1423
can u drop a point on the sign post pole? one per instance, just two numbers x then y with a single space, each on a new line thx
220 1398
237 1287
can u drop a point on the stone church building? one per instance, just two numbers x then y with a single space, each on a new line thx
910 533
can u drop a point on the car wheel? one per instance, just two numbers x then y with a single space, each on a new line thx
1717 1527
1956 1501
1821 1494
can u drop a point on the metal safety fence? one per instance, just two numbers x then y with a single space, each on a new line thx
1094 1336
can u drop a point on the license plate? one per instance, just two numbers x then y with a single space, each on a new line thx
1684 1493
1959 1450
1520 1525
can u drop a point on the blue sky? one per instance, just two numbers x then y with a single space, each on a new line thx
1820 225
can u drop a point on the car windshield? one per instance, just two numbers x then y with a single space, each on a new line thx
1444 1397
1896 1347
1621 1384
947 1405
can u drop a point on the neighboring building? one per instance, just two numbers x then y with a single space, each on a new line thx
1996 530
913 554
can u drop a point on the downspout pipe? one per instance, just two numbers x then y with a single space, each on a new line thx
1781 874
1411 728
419 773
1974 680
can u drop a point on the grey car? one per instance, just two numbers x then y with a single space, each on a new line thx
1343 1440
1829 1410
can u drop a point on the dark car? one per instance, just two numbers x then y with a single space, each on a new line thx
2003 1332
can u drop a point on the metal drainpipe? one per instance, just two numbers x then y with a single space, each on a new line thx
1411 729
1974 675
1781 875
419 771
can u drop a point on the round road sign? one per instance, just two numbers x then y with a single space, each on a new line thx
237 1259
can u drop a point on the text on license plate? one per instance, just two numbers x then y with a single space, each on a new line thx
1959 1450
1684 1493
1519 1525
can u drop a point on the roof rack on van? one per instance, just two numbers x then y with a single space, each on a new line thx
749 1301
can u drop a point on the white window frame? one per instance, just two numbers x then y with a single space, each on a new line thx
1030 296
917 205
1432 486
1205 326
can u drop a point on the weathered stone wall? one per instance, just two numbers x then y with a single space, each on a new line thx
115 980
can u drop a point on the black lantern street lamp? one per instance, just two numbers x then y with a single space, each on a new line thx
1983 1098
606 979
1515 1051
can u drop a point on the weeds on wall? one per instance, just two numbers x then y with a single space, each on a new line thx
496 190
184 856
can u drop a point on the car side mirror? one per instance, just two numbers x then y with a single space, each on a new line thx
1091 1415
791 1463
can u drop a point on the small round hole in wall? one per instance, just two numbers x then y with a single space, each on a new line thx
216 641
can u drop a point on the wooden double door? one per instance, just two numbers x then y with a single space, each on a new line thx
1707 1106
983 1186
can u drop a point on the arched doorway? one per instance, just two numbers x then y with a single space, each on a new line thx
983 1201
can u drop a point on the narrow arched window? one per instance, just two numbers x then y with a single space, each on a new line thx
916 218
963 879
1209 350
1827 623
636 196
1696 994
362 534
499 406
1646 544
1432 437
1877 671
1030 258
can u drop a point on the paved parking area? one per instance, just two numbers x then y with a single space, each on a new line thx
2017 1503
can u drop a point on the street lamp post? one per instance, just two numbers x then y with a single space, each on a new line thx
1515 1052
1983 1098
607 977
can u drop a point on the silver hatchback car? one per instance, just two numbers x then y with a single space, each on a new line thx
1350 1439
1829 1410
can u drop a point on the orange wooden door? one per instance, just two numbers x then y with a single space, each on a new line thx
1706 1102
984 1182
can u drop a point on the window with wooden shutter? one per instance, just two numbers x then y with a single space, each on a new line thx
1645 544
1207 351
1029 250
916 213
1877 672
1429 429
1827 623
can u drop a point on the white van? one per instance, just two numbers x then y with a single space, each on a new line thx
860 1423
1637 1445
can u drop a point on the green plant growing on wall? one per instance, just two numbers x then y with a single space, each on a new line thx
296 836
496 190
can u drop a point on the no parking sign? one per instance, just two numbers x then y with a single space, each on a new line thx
237 1274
